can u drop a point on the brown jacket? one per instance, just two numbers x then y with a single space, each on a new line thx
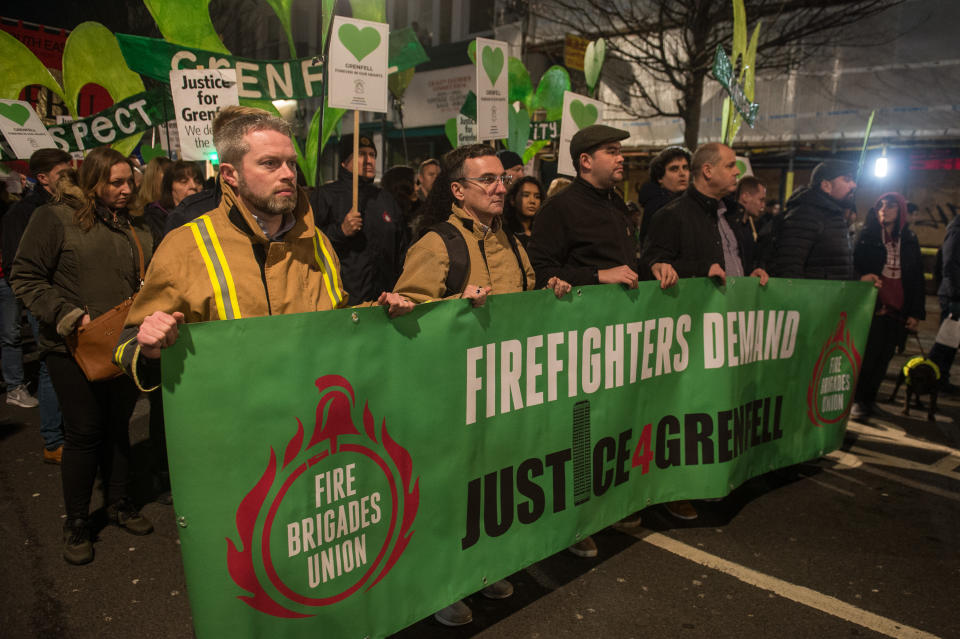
223 266
492 262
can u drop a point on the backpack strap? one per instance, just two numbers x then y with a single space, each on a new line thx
456 248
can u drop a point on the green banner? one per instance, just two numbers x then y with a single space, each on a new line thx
344 475
256 79
130 116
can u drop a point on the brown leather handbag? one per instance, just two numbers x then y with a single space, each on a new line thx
93 345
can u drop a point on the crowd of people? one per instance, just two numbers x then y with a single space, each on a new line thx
465 226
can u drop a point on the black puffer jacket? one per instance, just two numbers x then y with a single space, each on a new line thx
813 241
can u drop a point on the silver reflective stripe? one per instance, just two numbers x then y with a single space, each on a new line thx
212 251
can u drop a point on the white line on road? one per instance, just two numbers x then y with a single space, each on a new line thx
826 485
799 594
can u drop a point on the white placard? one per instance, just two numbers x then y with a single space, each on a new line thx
579 111
493 119
22 128
466 130
434 97
744 166
358 65
198 95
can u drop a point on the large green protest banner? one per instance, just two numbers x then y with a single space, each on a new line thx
340 474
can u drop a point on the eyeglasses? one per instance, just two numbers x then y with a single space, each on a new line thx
488 180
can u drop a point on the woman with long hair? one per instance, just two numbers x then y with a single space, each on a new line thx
180 179
520 205
150 187
888 248
80 256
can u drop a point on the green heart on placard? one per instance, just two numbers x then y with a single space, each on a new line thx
148 152
492 61
359 42
583 114
16 112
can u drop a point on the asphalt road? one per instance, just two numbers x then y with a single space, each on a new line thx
864 542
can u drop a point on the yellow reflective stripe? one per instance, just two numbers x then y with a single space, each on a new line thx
118 354
211 273
231 289
328 269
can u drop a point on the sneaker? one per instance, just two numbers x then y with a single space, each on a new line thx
681 510
584 548
124 514
54 456
20 396
629 522
456 614
860 410
77 542
499 590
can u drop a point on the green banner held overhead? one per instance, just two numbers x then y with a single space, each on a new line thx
341 474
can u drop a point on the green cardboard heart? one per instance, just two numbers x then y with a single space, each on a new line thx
359 42
16 112
148 152
583 114
492 60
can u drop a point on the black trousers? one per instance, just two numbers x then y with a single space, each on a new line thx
96 422
886 333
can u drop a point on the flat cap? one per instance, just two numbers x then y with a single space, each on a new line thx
830 169
345 146
588 138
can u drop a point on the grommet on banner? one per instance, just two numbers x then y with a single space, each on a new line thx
355 317
182 521
483 581
579 291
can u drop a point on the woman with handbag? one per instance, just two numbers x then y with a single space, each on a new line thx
79 263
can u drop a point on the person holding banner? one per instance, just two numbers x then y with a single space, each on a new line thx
370 239
80 258
257 253
669 178
584 235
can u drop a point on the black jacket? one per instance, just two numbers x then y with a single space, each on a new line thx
15 223
652 197
684 234
193 206
370 260
950 268
813 241
870 256
579 231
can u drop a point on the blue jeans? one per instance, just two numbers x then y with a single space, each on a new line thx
51 422
11 345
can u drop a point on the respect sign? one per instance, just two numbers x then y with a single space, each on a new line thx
198 96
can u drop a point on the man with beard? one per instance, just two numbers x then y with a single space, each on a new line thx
370 239
258 253
813 241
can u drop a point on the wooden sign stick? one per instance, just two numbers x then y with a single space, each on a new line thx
356 160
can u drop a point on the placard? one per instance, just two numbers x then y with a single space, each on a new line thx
358 65
579 111
466 130
22 129
493 100
198 95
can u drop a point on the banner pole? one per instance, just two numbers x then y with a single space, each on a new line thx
356 158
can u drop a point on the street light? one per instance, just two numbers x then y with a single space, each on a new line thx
881 167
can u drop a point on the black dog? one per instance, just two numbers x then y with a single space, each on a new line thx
921 377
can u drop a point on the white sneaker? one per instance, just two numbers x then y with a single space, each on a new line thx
20 396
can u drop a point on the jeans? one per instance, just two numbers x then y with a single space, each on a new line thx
11 346
885 334
51 422
940 354
97 424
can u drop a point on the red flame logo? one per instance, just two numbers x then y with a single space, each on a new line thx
842 341
334 431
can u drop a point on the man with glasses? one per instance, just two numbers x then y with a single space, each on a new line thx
584 235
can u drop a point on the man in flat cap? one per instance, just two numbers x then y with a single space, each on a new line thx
813 241
584 234
370 240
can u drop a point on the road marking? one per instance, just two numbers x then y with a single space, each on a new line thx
847 477
826 485
798 594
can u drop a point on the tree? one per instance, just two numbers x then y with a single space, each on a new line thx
673 42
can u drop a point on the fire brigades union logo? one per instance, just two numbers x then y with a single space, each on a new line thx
830 392
333 519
